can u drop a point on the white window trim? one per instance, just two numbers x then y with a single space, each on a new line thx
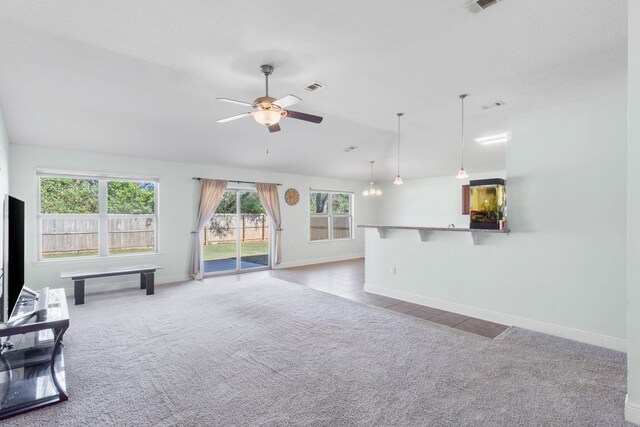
94 175
330 215
102 216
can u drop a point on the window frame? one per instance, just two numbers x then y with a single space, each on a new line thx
102 216
330 215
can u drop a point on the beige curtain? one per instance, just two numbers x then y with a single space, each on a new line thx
268 194
211 191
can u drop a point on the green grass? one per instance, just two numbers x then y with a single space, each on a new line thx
56 255
213 251
130 251
228 250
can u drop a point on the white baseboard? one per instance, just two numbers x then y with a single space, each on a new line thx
631 411
317 261
503 318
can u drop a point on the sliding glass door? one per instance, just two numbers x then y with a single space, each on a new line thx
220 237
237 237
253 232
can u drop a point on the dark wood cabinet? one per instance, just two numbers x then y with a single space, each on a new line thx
465 200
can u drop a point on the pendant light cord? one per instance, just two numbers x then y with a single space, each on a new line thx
462 137
462 97
399 115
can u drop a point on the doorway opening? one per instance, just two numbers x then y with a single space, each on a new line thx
237 237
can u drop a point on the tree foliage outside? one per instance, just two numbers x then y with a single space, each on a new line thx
227 203
223 225
80 196
340 203
68 196
319 203
130 198
249 203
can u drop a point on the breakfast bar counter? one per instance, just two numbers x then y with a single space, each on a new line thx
424 232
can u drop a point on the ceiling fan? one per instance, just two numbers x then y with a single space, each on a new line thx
269 111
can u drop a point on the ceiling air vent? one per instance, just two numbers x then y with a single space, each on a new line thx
477 6
492 105
312 87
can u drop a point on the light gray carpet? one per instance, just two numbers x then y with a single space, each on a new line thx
257 351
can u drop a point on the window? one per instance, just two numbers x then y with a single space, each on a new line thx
331 215
82 216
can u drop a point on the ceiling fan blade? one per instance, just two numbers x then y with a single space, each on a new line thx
285 101
274 127
304 116
237 116
233 101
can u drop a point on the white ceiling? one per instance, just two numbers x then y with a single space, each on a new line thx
141 77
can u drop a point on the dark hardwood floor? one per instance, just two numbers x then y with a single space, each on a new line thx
346 279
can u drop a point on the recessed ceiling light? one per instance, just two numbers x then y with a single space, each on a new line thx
493 139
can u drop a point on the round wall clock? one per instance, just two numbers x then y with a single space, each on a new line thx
292 197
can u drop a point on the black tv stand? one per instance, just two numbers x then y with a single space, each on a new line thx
31 355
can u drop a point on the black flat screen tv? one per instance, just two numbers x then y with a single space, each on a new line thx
13 268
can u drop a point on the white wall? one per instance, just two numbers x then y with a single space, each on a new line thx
633 213
178 199
562 269
433 202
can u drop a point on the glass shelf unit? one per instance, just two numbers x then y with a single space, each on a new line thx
31 356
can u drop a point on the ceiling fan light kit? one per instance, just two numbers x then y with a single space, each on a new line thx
267 117
270 110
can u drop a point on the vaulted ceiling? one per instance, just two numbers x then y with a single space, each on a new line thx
140 77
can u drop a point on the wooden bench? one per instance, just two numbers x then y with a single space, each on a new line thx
146 272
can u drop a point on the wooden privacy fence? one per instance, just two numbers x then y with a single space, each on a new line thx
62 235
81 234
222 228
341 227
131 233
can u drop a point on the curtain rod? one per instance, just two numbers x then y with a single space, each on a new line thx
197 178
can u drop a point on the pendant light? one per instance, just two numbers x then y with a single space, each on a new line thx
398 180
462 174
372 190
